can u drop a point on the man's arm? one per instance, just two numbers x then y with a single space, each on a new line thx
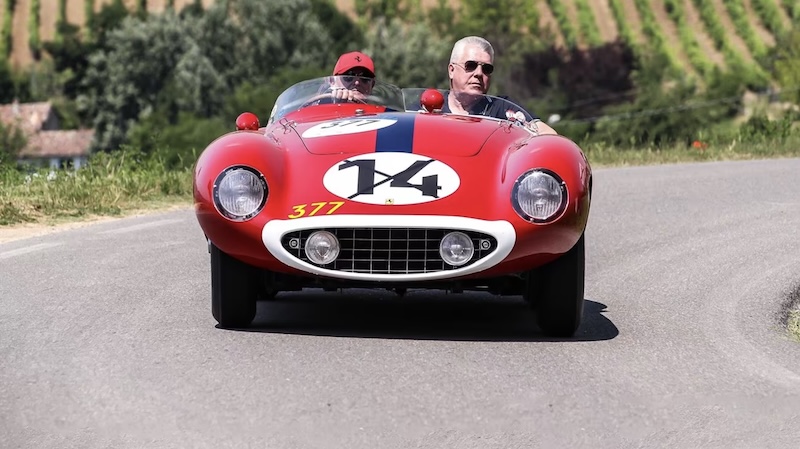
511 110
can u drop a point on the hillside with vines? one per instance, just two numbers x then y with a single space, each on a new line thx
693 36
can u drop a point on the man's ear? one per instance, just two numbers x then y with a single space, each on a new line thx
450 69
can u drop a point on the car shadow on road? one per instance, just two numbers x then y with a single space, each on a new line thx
422 315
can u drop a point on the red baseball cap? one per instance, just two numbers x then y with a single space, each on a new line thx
352 60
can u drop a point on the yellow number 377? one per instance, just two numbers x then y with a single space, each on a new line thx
302 210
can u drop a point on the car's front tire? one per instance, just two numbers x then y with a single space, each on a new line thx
234 288
556 290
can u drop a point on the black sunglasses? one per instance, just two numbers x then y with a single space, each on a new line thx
350 76
471 66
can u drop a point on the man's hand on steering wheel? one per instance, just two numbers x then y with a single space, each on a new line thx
343 94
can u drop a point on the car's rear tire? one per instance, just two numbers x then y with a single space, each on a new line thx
556 290
234 289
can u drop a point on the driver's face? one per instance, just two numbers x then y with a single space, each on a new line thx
474 81
357 79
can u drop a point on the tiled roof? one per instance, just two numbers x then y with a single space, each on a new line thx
28 116
67 143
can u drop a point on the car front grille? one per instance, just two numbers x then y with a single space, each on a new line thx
388 250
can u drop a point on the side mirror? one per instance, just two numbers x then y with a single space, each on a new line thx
247 121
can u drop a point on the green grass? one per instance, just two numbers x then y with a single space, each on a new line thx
600 155
111 185
794 324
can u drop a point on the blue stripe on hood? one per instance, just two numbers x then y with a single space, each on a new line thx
398 138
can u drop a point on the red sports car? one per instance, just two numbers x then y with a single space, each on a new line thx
389 192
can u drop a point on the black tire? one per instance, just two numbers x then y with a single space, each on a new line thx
234 288
556 290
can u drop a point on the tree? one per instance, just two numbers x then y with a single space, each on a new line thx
184 63
12 140
408 55
787 65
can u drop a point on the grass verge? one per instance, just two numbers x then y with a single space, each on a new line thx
111 185
699 151
794 324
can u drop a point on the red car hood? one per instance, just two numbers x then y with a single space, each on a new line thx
432 134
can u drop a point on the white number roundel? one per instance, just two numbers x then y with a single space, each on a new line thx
391 178
347 126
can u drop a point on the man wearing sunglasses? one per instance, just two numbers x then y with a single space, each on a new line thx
354 77
470 71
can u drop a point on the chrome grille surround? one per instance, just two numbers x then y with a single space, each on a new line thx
389 250
502 231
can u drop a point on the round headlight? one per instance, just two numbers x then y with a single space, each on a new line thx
322 247
539 196
240 193
456 248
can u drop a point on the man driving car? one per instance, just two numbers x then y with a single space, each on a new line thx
470 72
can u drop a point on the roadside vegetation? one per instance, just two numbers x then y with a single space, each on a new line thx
794 324
111 184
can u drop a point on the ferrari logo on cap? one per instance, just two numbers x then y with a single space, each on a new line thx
389 201
358 58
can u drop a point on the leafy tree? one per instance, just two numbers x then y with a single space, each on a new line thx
512 26
125 81
259 98
6 29
669 111
440 18
183 63
787 64
279 33
7 90
141 8
419 61
34 40
12 140
344 33
88 14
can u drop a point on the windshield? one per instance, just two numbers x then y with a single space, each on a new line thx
323 91
485 105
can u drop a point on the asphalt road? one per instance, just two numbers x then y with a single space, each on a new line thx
107 338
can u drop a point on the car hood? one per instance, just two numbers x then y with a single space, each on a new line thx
410 132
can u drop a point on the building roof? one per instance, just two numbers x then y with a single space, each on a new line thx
29 117
66 143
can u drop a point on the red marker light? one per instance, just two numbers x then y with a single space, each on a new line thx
432 100
247 121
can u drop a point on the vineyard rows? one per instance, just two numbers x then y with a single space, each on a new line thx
691 35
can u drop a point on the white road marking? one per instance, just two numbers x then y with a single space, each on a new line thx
152 224
27 249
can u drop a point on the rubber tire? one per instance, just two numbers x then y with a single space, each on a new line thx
556 290
234 290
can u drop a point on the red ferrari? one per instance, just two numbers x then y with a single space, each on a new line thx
389 192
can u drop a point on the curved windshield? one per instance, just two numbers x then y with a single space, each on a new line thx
474 104
337 89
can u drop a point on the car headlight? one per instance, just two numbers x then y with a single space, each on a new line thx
539 196
240 193
456 248
322 247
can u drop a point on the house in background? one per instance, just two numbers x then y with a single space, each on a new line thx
47 144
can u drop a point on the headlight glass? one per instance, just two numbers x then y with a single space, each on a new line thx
322 247
456 248
240 193
539 196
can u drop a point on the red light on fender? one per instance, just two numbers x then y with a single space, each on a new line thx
432 100
247 121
